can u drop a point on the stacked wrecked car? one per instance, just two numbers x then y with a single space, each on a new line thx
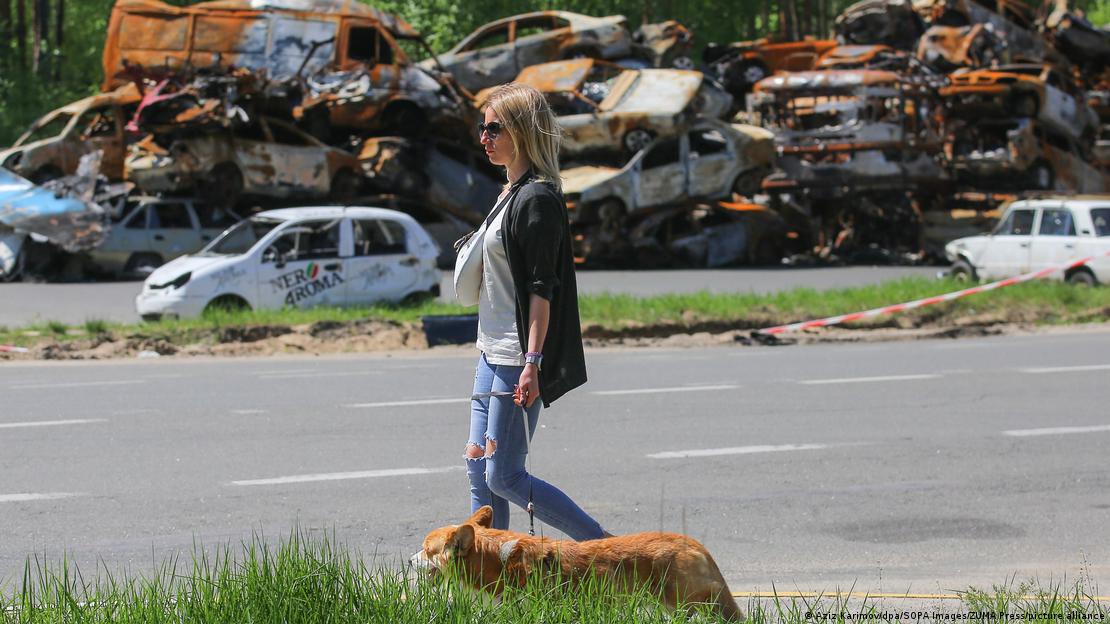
866 147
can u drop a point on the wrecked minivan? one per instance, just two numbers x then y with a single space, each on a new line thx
53 146
348 53
846 130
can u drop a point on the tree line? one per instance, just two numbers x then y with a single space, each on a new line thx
50 49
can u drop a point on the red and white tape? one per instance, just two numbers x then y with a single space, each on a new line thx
920 303
11 349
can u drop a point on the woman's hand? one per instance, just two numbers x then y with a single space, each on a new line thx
528 388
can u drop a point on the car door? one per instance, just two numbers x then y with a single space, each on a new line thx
302 267
1055 240
381 267
711 163
172 230
661 174
535 39
1007 253
486 60
300 166
128 236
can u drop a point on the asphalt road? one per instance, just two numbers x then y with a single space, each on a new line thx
22 304
921 466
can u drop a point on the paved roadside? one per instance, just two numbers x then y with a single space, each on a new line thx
22 304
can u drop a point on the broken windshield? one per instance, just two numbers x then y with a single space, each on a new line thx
239 238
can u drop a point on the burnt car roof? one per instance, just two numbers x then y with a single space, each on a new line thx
557 76
351 8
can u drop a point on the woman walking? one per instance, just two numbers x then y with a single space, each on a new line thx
529 333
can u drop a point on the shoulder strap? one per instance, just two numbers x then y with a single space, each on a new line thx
512 191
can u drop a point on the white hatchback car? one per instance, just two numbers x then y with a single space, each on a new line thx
299 257
1035 234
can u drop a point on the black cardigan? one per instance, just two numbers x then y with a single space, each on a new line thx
536 234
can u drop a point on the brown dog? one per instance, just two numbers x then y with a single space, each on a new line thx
679 567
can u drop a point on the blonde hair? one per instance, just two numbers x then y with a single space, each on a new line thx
535 132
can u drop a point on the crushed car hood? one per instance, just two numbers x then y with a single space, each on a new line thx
577 179
666 91
69 222
189 264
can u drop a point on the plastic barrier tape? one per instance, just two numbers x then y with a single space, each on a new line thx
902 307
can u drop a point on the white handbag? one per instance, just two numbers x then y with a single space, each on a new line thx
468 261
468 267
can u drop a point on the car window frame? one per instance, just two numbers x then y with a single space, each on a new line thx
1071 221
1009 218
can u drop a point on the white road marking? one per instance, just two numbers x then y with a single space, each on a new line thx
247 412
20 498
841 380
662 390
407 403
287 371
317 375
77 384
1067 369
340 476
51 423
738 450
1056 431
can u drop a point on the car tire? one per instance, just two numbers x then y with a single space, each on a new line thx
418 297
1024 105
141 265
749 183
224 187
636 139
683 62
345 186
18 267
1082 277
227 303
962 272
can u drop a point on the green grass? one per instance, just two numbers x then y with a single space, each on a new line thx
311 578
1040 302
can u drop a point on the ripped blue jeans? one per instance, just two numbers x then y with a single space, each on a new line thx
499 477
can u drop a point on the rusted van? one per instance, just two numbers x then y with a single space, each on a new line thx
281 37
351 56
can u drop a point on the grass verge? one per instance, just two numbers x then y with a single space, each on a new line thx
312 579
1041 302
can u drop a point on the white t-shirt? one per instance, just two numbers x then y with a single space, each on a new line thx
497 335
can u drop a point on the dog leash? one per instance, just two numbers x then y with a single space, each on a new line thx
527 448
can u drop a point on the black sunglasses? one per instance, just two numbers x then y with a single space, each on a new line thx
493 129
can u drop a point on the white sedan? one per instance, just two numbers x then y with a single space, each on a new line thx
299 257
1035 234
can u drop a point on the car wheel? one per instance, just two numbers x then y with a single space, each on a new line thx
225 185
141 265
682 62
418 297
962 272
637 139
18 267
1024 105
749 183
1041 175
345 186
1082 277
226 303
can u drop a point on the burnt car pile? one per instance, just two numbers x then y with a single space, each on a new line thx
925 114
864 146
